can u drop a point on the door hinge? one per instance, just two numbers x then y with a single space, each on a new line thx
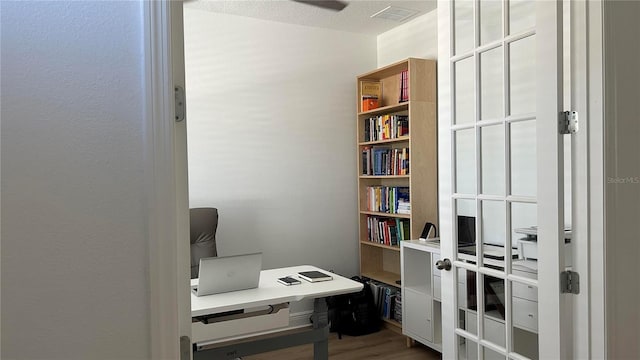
568 123
185 348
179 103
570 282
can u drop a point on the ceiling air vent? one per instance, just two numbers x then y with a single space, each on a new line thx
394 13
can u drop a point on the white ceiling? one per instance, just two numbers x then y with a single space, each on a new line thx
356 17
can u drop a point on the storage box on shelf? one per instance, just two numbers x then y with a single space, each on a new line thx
397 164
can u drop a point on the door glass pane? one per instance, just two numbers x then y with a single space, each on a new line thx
522 76
492 355
523 158
493 169
524 221
464 92
525 320
490 21
465 161
466 228
494 329
493 231
467 300
491 104
494 307
463 22
522 15
467 349
493 325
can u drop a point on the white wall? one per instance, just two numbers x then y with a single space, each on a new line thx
622 178
417 38
271 131
74 255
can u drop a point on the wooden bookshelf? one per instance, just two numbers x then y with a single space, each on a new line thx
381 261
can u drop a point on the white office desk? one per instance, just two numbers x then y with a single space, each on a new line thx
271 292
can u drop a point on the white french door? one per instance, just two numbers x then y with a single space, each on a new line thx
501 180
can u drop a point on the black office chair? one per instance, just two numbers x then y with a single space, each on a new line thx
203 226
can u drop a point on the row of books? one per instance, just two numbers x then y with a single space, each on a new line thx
404 86
387 231
388 199
385 127
385 161
384 296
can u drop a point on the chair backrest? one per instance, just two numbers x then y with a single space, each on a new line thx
203 226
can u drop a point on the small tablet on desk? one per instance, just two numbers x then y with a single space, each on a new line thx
314 276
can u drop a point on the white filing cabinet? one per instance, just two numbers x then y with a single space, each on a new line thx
421 308
421 296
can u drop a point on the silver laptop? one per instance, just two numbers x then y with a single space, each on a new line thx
228 273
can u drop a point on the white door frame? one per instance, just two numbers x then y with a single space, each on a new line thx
596 179
163 171
166 179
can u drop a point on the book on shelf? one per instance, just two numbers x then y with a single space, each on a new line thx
397 313
406 234
370 94
389 303
405 224
367 161
404 201
370 103
404 86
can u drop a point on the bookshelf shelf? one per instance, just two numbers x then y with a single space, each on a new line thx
406 146
381 214
385 277
386 109
392 323
386 141
384 176
389 247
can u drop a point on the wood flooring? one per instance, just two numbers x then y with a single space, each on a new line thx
384 344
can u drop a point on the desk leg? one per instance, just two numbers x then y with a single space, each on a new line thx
320 320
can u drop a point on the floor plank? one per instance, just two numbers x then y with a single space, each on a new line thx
384 344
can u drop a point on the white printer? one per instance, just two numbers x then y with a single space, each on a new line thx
528 245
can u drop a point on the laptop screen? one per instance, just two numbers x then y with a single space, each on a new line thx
466 230
229 273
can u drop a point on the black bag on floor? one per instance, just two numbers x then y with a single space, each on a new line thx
354 314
